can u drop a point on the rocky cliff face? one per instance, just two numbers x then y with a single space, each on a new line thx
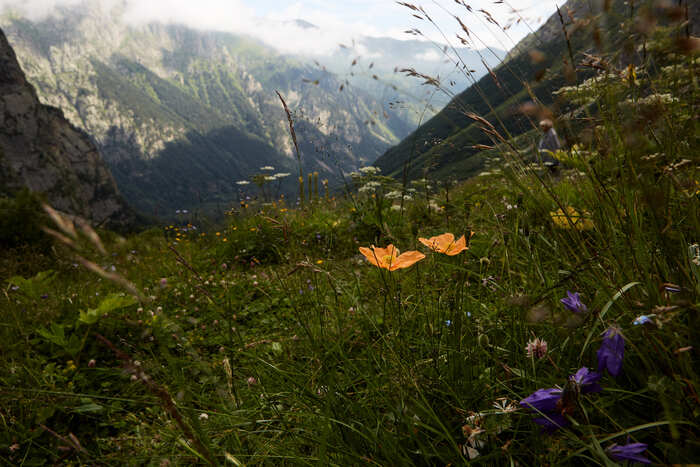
41 150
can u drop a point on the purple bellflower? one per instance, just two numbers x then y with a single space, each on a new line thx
552 422
542 400
546 402
611 351
573 302
586 380
630 452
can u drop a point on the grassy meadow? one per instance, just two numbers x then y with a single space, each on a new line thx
562 330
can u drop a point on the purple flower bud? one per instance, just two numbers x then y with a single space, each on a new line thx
552 422
630 452
542 400
611 352
573 302
586 380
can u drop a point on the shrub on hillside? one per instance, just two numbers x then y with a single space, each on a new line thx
21 219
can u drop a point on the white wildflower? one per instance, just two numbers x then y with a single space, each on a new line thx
370 170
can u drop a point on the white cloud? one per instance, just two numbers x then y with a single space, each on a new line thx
34 9
430 56
271 20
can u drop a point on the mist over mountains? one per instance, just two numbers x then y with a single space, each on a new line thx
180 114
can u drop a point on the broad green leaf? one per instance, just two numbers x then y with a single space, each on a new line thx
112 302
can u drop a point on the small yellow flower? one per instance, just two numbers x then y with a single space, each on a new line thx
320 261
218 234
225 240
580 221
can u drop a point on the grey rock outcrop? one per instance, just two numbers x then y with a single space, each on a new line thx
41 150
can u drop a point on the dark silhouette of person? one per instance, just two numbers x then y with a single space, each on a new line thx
549 144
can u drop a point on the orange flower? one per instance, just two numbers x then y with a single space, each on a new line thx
446 244
390 257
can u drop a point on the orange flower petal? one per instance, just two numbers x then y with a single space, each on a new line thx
439 243
381 257
445 241
457 247
406 260
446 244
370 255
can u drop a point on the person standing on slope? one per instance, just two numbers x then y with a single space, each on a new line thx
549 144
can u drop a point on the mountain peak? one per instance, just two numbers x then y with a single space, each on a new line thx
303 24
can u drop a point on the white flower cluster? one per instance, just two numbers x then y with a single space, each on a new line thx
243 182
369 170
657 99
267 168
369 186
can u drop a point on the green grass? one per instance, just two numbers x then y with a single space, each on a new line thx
269 340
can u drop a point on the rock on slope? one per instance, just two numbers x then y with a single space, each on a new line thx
40 150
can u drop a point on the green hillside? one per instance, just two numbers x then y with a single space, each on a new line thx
532 71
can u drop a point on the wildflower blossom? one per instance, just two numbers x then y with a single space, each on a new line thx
267 167
369 186
536 348
611 351
370 170
243 182
586 380
630 452
503 404
390 257
642 319
546 402
446 244
579 220
573 302
542 400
